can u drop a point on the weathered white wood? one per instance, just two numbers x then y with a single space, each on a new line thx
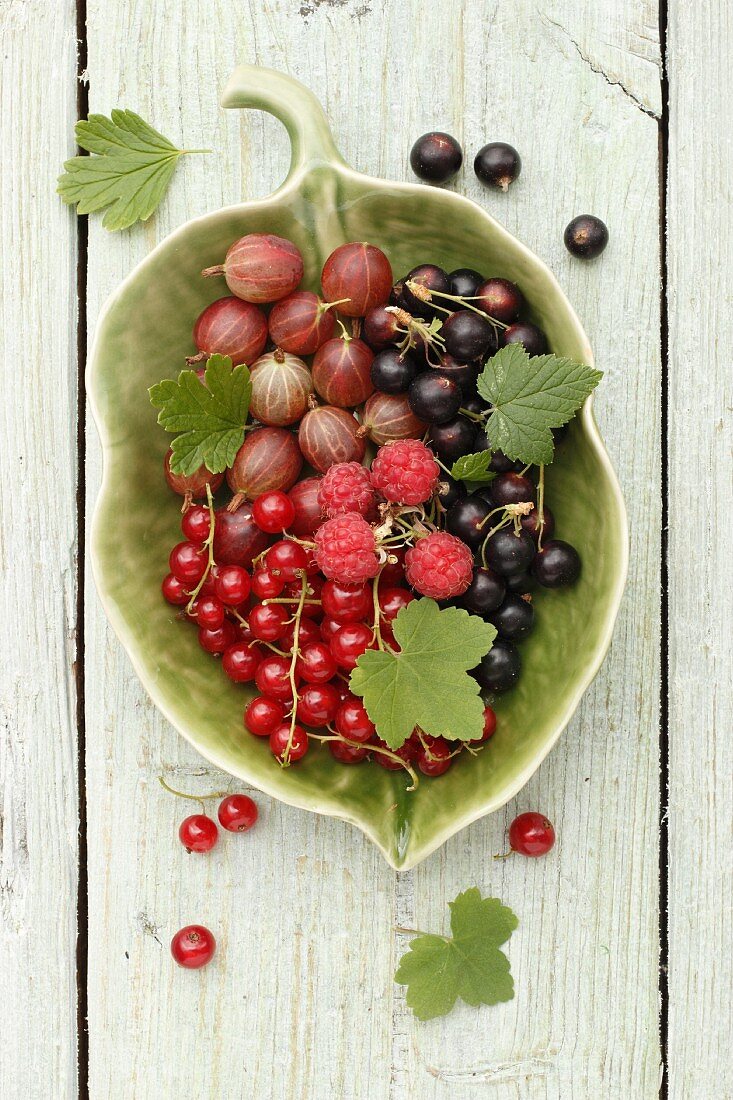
301 1001
700 240
38 468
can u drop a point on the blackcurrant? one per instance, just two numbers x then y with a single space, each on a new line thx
512 488
448 490
468 336
436 157
497 164
430 278
392 371
452 439
485 592
514 619
464 282
500 464
586 236
499 669
465 374
509 553
434 398
521 583
501 299
532 339
557 564
466 518
531 523
474 404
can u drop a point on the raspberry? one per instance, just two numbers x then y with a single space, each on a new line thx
346 549
346 487
405 471
439 566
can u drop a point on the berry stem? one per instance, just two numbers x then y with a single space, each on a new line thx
541 505
464 302
371 748
209 544
296 650
377 627
478 417
192 797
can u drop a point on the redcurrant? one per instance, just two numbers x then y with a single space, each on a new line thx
187 562
353 722
273 678
216 641
267 585
273 512
198 833
262 715
196 523
307 634
347 754
348 603
240 661
489 724
232 585
279 739
316 664
349 642
285 557
193 946
317 704
209 612
174 591
531 834
268 621
392 600
435 759
237 813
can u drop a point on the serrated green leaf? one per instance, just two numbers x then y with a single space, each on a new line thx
210 416
426 684
437 970
529 397
129 168
473 468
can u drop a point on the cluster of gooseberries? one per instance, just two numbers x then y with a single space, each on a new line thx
310 560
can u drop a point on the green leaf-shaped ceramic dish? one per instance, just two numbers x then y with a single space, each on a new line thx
145 332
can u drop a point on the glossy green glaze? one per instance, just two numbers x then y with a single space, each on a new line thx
144 334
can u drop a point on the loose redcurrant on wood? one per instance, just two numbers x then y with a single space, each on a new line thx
198 833
531 834
193 946
263 715
240 661
237 813
273 512
279 739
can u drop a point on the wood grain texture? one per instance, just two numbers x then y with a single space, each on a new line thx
700 245
38 466
301 1001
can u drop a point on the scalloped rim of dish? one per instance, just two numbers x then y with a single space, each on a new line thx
125 634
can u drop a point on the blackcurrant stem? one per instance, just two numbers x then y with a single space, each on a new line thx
465 302
285 759
192 797
541 505
478 417
209 544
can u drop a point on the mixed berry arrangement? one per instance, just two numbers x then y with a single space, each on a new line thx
384 447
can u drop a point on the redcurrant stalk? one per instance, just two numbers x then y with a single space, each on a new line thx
377 627
285 761
371 748
192 797
209 544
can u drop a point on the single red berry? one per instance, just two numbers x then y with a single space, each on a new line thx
286 558
316 664
196 523
267 585
209 612
531 834
193 946
489 724
263 715
439 566
349 642
198 833
312 592
391 602
273 512
240 661
353 722
268 621
317 704
187 562
244 634
279 739
346 487
216 641
393 573
346 549
342 688
329 628
174 591
346 603
405 753
347 754
405 471
308 633
273 678
232 585
435 759
237 813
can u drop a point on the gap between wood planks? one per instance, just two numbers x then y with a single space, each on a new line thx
80 668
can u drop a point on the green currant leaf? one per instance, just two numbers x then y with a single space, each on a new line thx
426 683
437 970
210 416
129 170
529 397
473 468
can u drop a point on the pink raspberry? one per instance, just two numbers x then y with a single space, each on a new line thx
439 566
346 549
346 487
405 471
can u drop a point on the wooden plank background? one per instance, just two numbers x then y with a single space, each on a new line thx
301 1001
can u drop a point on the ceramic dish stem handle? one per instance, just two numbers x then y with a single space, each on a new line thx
291 102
